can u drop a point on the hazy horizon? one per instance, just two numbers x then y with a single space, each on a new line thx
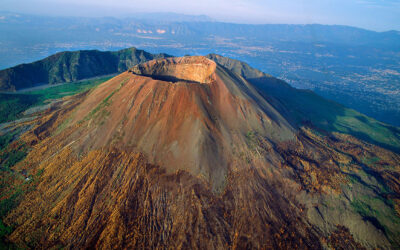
377 15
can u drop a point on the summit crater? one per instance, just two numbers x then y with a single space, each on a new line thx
190 153
191 69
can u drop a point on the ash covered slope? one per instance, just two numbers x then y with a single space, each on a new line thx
183 152
194 121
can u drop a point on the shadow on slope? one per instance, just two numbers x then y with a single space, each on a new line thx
169 78
304 107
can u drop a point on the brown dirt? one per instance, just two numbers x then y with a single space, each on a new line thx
143 163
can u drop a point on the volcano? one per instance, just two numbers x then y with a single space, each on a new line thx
200 152
182 113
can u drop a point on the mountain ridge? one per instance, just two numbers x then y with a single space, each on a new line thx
153 158
71 66
354 67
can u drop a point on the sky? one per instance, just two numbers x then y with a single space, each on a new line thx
379 15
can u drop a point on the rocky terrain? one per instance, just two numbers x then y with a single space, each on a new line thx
198 152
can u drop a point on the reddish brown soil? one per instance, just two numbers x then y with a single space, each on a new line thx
143 163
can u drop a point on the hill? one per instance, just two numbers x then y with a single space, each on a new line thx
189 153
71 66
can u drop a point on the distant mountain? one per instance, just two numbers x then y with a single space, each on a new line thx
190 27
169 17
71 66
355 67
193 153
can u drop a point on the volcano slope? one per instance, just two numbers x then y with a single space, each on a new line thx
187 153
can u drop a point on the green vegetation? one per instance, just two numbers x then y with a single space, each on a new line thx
370 161
10 198
251 137
6 205
101 106
11 108
10 156
6 139
4 230
71 66
14 157
252 141
375 205
12 105
10 203
336 118
106 102
380 213
305 107
68 89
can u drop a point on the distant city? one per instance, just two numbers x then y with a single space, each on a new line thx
355 67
